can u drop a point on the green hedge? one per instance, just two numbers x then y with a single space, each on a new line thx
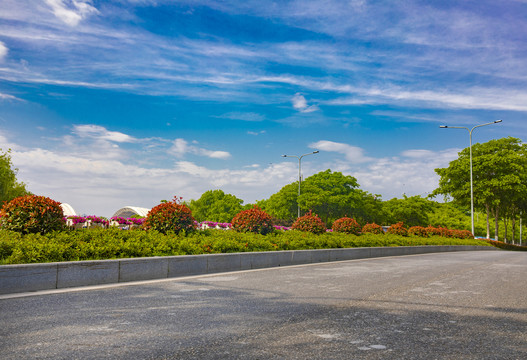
505 246
98 244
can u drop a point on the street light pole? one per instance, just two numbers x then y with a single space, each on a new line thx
470 150
300 173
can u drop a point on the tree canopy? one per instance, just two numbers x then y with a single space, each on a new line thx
412 211
215 205
10 188
283 204
499 177
329 194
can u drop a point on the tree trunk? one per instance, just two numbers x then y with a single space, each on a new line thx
496 223
505 223
488 222
513 222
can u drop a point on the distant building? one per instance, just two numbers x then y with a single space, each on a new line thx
68 210
129 211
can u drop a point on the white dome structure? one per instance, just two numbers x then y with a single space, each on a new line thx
68 210
129 211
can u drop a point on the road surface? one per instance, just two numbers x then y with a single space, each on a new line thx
464 305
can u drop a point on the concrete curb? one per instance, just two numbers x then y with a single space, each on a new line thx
34 277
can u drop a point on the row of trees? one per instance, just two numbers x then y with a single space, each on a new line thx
333 195
500 195
500 192
500 181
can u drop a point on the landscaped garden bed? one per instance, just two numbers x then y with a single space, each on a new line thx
34 230
113 243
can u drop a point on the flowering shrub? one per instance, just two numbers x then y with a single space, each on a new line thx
253 220
282 228
170 216
462 234
309 222
373 229
32 214
418 231
213 225
439 231
121 220
74 220
398 229
346 225
97 220
449 233
136 221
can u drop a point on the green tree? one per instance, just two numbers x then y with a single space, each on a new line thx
451 216
283 204
215 205
370 209
10 188
499 177
412 211
331 195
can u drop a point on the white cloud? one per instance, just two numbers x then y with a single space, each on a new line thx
256 133
5 144
214 154
3 51
412 173
95 186
300 104
417 154
72 12
101 133
101 185
473 98
353 154
112 52
180 147
9 97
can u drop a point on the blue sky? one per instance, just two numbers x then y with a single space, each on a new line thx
113 103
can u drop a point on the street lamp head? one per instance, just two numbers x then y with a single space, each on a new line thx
443 126
316 152
284 155
497 121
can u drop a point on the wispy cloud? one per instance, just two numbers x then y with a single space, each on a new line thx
256 133
72 12
473 98
238 71
101 133
101 185
353 154
3 51
372 61
9 97
181 147
411 173
300 104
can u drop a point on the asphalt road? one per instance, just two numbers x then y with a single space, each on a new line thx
466 305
